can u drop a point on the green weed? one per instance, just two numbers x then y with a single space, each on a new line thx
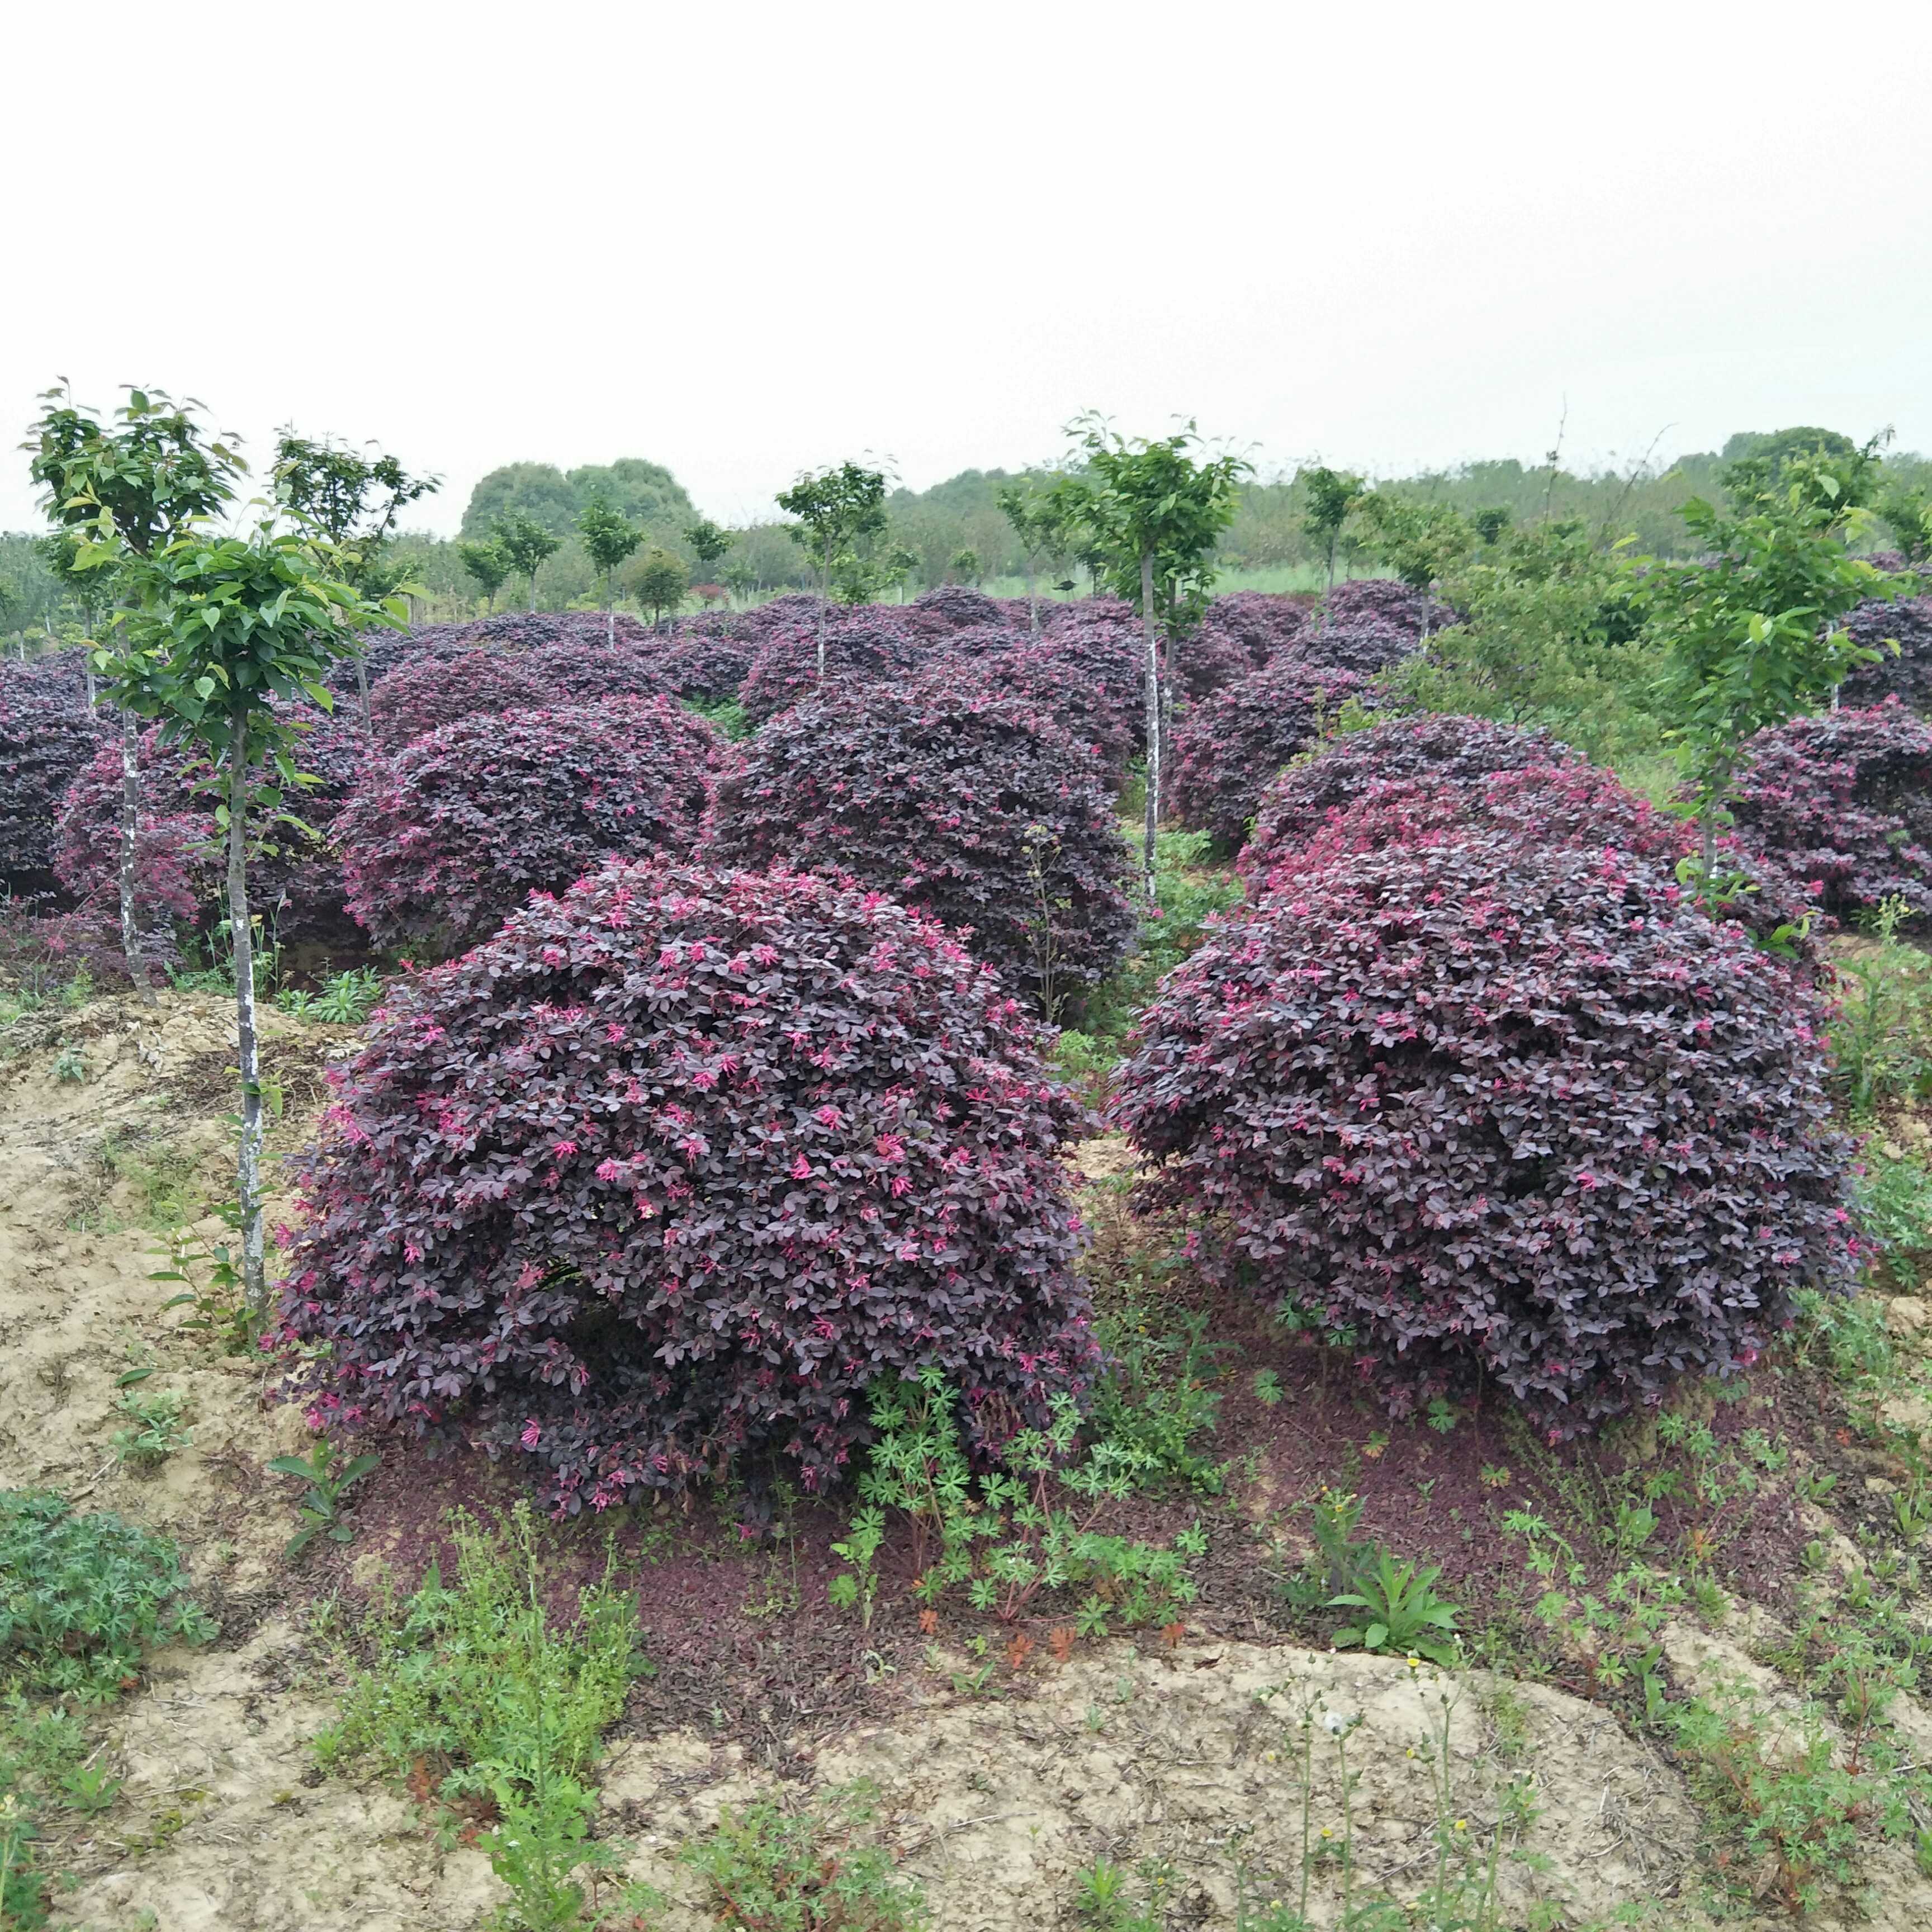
154 1429
344 999
330 1477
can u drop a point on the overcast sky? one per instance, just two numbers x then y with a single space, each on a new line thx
742 239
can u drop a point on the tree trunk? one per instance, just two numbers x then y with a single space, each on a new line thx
533 587
130 827
1033 601
1332 535
248 1156
610 614
1153 730
824 602
362 692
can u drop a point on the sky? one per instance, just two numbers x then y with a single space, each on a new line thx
746 240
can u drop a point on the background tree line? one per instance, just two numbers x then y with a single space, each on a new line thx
955 532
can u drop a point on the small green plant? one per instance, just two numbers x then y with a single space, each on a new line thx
472 1694
1882 1035
343 999
859 1584
211 1286
1402 1611
1106 1902
813 1869
1268 1390
154 1429
330 1477
70 1066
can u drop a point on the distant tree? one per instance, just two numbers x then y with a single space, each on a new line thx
897 561
224 634
640 491
124 489
1908 513
708 544
661 583
1490 523
93 588
607 541
354 501
1330 495
1152 513
1750 628
1422 543
1041 527
837 510
486 563
527 545
965 567
740 576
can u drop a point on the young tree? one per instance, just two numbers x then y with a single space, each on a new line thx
1154 512
527 545
1041 527
837 510
608 540
1751 628
1330 495
661 583
486 564
224 628
354 501
708 544
122 489
739 577
965 567
93 588
1909 512
1422 543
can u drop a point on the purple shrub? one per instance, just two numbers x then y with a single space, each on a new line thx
874 645
1228 748
1372 600
668 1170
944 796
1437 748
1504 1117
1908 676
1260 623
47 739
960 608
1088 680
1843 802
707 665
444 839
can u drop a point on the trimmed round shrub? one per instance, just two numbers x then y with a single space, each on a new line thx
1500 1115
1088 681
430 692
864 651
1260 623
974 807
1360 602
444 839
959 607
1438 747
674 1167
47 740
707 665
1227 749
1365 647
58 676
1908 676
1843 802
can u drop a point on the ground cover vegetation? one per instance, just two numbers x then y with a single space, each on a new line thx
1387 1117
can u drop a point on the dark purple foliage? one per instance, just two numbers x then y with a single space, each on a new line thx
1502 1116
444 839
1372 600
875 644
47 737
1843 802
431 692
1438 747
1879 623
707 665
673 1168
1260 623
1228 748
942 794
960 608
1089 679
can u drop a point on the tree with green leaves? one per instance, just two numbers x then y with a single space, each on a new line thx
122 488
487 566
93 588
353 500
1490 523
963 566
1154 512
837 511
1039 524
607 541
1908 513
661 581
1751 630
1328 496
221 630
739 576
709 543
528 546
1422 543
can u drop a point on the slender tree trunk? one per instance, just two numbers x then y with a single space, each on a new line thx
610 613
362 693
1033 601
533 587
824 603
248 1155
1154 722
130 827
